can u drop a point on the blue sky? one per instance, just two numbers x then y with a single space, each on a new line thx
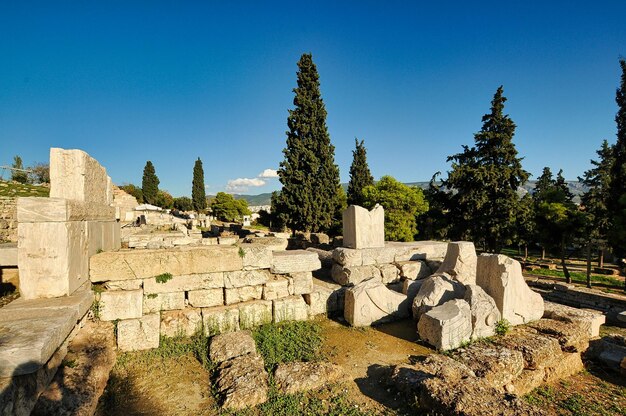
172 81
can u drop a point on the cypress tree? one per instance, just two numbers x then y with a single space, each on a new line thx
544 182
198 195
149 184
617 186
309 175
360 175
485 179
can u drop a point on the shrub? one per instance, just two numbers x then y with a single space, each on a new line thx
288 341
502 327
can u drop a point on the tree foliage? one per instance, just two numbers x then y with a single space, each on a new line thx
617 185
484 181
18 175
183 203
150 184
360 175
596 200
226 208
402 204
198 194
310 178
40 173
134 191
164 200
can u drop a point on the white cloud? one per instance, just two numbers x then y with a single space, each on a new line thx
268 173
242 184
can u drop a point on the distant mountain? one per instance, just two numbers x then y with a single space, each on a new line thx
575 188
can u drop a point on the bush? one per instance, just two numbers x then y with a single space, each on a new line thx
226 208
288 341
502 327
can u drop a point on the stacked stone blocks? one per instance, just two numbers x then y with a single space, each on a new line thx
212 289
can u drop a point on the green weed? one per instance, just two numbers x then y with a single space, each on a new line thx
502 327
163 277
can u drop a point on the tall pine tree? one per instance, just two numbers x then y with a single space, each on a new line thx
617 186
485 179
198 194
360 175
149 184
543 183
311 189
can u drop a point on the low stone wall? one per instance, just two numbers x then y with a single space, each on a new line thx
8 219
580 297
213 289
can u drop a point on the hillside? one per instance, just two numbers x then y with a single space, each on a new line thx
14 189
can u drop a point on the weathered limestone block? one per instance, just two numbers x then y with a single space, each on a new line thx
371 302
125 284
298 377
378 255
568 364
295 261
325 256
418 250
225 347
76 175
103 236
571 336
184 283
293 308
8 255
485 313
434 291
37 209
242 382
501 277
53 258
460 262
587 318
326 298
77 304
121 304
348 256
446 326
537 350
157 302
220 319
414 270
256 256
243 294
411 288
363 228
301 283
255 313
497 365
206 298
185 322
355 274
245 278
143 264
227 240
139 334
389 273
276 287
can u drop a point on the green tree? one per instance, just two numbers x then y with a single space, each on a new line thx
595 203
526 230
150 184
164 200
435 224
544 182
484 181
561 185
134 191
226 208
40 173
402 204
360 175
183 203
309 175
19 175
198 194
617 185
278 212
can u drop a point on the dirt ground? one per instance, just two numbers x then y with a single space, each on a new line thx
181 386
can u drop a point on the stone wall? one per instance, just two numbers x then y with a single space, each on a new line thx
8 219
209 289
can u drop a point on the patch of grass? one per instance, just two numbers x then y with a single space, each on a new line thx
69 363
152 296
96 309
288 341
579 277
575 404
163 277
502 327
14 189
241 252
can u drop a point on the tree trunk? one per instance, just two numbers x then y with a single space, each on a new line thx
601 259
525 251
543 253
568 278
589 264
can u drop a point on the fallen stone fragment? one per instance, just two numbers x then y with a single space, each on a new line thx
446 326
414 270
501 277
497 365
460 262
485 313
570 336
294 261
225 347
242 382
371 302
586 318
296 377
434 291
353 275
538 350
363 228
389 273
